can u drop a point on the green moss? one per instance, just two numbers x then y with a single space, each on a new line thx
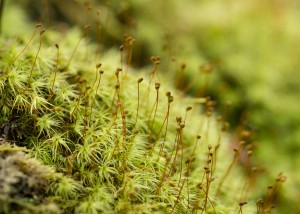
81 118
24 182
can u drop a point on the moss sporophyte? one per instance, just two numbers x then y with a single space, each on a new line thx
82 134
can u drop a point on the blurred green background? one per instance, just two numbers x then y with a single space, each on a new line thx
243 54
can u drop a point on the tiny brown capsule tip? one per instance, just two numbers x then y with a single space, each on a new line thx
42 31
182 124
98 65
119 69
140 80
38 25
188 108
188 160
209 147
101 72
259 202
170 99
242 203
198 137
183 65
157 85
121 48
57 46
86 26
168 93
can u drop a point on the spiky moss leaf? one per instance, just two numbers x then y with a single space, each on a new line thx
47 124
67 188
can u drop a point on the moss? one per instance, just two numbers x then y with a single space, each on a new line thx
118 144
24 182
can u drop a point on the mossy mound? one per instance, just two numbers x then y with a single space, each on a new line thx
118 143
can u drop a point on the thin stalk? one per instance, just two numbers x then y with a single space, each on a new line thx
31 38
40 45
